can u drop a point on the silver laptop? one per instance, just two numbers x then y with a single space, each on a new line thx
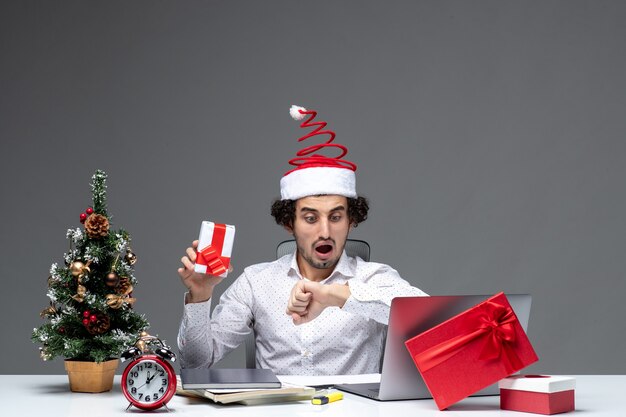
409 316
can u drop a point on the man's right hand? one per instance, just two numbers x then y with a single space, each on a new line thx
200 286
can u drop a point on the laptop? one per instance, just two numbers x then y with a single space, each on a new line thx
409 316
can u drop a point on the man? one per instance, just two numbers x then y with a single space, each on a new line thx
315 312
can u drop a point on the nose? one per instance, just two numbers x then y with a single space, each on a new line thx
324 229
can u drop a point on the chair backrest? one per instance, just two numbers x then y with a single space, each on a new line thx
354 247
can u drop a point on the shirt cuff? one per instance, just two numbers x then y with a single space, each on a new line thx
362 292
195 312
358 295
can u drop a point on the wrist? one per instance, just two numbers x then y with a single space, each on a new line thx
198 296
338 294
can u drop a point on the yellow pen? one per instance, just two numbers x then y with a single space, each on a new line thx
328 398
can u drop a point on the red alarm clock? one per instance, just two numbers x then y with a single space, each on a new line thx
149 380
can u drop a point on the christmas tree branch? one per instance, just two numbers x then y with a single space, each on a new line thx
98 189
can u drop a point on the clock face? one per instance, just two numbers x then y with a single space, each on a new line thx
148 382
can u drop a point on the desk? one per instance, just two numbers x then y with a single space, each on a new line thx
49 396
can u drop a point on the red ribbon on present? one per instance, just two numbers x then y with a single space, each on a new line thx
211 255
495 325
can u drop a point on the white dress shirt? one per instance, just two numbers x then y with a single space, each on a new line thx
347 340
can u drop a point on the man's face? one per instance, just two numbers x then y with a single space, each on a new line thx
320 228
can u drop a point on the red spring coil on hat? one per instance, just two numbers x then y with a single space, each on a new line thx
307 157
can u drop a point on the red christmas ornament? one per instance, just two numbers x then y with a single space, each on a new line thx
93 318
86 313
62 330
85 322
89 210
83 217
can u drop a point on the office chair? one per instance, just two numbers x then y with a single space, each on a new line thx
354 247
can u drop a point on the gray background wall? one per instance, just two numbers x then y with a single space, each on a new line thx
489 139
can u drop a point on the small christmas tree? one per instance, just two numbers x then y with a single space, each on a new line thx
91 316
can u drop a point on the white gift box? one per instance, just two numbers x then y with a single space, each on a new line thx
215 245
540 394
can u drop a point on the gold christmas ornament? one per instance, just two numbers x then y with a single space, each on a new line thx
81 290
79 269
80 293
48 311
52 280
141 345
118 300
130 257
97 226
76 268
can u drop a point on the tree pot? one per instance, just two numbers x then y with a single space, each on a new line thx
93 377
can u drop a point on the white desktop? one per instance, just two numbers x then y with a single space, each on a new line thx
49 396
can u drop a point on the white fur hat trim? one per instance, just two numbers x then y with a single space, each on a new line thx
305 182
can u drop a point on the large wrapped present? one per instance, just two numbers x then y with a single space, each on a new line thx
215 245
539 394
471 351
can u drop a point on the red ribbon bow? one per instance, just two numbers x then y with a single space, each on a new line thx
495 326
211 255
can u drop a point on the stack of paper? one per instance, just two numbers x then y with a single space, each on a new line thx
285 393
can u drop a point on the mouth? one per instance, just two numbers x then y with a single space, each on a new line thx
323 249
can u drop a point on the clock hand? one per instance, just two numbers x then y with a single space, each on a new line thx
147 378
150 378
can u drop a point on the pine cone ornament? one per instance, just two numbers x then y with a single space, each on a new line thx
123 286
100 325
97 226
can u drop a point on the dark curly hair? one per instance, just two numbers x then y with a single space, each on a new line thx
284 211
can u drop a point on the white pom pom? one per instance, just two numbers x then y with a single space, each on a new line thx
294 111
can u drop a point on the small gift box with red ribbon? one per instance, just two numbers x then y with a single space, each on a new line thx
215 245
539 394
471 351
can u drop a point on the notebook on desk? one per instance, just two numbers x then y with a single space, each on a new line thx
409 316
208 378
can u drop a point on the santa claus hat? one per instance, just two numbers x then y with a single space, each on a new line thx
316 174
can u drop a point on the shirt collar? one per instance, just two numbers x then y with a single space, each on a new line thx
346 267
